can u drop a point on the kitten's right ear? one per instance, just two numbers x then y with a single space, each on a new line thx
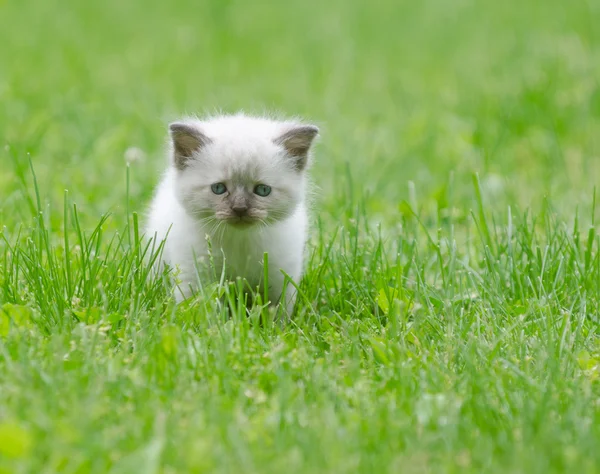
187 139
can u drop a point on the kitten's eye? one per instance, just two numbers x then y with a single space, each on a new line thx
218 188
262 190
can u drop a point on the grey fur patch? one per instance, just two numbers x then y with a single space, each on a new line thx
187 139
297 142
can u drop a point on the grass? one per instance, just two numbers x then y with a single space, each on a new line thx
448 320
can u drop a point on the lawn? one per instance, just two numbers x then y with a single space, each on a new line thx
449 317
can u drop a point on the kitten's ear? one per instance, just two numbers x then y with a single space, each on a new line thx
297 142
187 139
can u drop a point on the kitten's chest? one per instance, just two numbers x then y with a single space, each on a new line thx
241 257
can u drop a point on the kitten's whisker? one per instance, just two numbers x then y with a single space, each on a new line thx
221 227
212 226
217 229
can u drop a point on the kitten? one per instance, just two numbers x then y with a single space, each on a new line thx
235 189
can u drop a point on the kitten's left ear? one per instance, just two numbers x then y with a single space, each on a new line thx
297 142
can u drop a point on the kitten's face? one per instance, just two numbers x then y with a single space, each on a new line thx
241 194
240 176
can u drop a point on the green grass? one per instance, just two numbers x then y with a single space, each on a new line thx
449 317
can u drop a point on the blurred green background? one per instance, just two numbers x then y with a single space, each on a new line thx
466 348
428 92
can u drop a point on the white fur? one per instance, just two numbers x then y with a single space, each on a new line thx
243 150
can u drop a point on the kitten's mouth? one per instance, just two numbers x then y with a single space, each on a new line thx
242 222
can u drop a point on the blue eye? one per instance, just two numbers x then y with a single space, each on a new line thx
218 188
262 190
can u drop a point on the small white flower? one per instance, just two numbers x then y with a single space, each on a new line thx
133 154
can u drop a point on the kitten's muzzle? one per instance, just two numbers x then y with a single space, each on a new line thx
240 210
242 221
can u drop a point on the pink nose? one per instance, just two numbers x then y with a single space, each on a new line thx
240 211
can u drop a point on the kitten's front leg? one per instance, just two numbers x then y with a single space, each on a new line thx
282 294
186 286
191 275
287 301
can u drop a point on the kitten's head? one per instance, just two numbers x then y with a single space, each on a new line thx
239 169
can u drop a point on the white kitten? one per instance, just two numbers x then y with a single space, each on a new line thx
236 184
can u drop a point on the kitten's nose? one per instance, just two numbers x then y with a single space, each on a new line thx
240 210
